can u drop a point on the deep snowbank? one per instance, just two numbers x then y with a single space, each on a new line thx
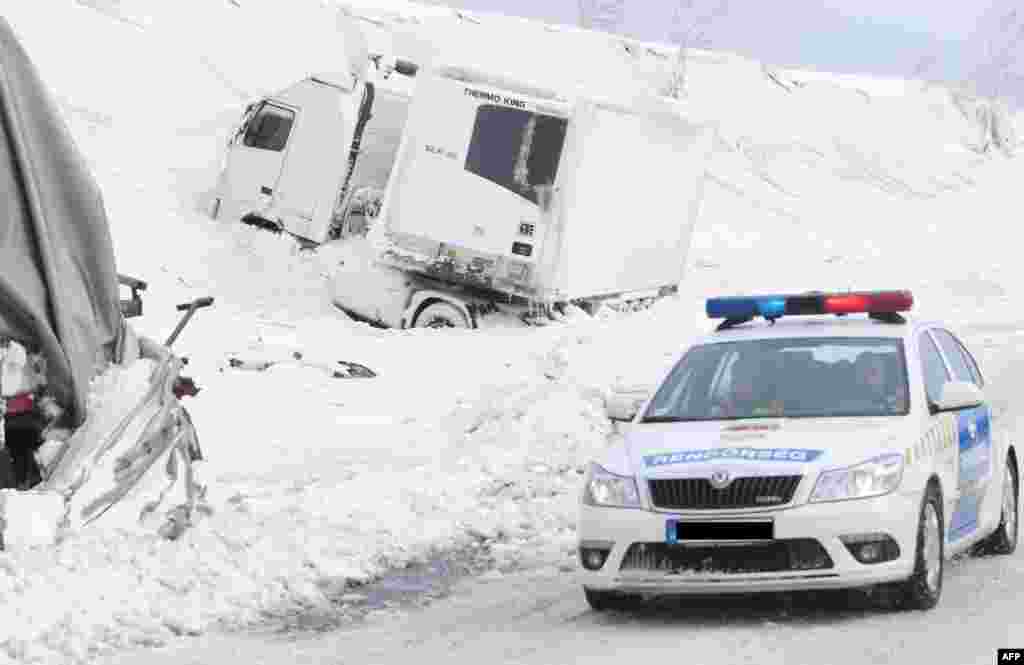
315 480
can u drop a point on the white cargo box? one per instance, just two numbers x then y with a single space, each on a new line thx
467 201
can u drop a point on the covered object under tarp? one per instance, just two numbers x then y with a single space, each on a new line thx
58 281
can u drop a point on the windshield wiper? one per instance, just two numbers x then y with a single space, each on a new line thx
667 419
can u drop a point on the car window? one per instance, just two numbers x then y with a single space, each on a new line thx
681 390
951 350
788 378
269 128
951 342
935 374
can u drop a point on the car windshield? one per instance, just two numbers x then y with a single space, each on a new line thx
785 378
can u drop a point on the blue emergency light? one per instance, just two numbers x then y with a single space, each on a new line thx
883 305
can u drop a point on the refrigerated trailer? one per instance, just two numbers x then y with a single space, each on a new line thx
464 193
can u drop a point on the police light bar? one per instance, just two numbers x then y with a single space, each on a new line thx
744 308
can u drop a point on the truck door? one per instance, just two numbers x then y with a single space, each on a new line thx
256 156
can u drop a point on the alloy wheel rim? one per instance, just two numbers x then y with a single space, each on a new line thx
932 548
1009 505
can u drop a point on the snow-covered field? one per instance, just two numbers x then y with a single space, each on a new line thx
463 437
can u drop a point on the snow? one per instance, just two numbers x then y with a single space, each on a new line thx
317 483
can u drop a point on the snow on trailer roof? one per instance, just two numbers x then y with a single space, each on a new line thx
640 102
468 74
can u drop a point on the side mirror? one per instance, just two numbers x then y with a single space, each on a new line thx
623 407
958 395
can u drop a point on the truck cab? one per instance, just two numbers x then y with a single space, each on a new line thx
287 160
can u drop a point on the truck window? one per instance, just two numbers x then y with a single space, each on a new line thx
269 128
516 149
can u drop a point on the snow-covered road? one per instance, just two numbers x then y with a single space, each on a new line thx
540 618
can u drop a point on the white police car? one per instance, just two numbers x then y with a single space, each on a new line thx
803 453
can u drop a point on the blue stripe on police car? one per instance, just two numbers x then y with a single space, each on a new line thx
974 443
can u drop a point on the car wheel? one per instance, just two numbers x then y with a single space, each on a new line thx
601 601
924 588
1004 539
440 315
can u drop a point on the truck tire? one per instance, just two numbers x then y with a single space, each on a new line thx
440 315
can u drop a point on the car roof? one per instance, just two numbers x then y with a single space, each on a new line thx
826 325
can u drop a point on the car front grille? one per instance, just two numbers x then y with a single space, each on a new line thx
796 554
698 494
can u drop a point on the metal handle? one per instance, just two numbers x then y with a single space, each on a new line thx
196 304
190 309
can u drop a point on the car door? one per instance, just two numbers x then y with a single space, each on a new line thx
976 459
256 157
938 446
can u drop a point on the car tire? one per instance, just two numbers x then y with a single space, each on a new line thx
601 601
924 588
1004 539
440 315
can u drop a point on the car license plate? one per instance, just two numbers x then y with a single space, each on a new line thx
680 531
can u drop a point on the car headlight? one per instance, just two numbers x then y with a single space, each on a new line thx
875 477
606 489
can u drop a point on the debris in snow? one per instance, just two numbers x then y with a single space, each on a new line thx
341 369
483 534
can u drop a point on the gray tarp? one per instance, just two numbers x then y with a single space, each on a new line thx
58 281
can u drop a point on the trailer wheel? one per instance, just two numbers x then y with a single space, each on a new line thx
440 314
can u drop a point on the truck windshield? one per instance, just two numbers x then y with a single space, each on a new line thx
785 378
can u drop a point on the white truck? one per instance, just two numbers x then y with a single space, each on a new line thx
453 193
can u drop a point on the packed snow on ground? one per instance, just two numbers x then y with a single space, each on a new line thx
464 437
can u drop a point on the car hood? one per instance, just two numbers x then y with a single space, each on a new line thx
762 447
